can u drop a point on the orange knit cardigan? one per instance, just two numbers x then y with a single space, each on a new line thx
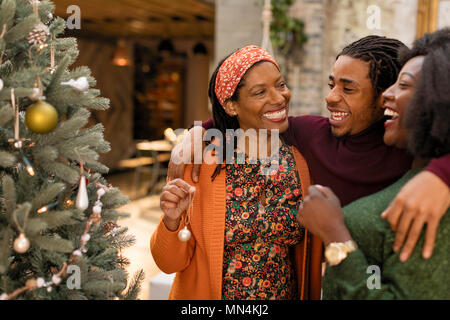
198 262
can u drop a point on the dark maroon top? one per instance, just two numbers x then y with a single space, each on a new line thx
353 167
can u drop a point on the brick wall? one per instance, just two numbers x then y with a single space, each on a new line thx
330 25
238 23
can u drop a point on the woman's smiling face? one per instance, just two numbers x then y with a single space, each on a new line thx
396 102
263 99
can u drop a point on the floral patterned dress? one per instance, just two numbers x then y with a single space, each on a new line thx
260 227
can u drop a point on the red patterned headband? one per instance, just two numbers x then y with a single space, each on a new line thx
235 66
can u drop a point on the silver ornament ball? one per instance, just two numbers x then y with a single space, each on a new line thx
97 209
184 234
77 253
40 282
56 280
101 192
18 144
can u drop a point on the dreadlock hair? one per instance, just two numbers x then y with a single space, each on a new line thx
382 54
428 115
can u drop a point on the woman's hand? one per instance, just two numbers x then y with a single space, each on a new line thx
321 214
423 200
175 199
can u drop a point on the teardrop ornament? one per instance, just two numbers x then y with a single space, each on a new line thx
82 201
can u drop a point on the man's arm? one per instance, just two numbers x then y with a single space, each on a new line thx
301 128
441 168
423 200
208 124
185 153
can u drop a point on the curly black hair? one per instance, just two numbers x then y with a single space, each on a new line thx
428 115
382 53
425 44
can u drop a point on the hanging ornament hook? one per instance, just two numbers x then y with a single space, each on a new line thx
16 115
52 67
35 3
21 243
17 141
82 200
184 234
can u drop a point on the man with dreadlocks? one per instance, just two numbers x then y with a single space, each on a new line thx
346 151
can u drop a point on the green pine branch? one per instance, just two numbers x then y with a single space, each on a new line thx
55 158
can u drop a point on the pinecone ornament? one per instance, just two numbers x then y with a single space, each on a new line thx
109 226
38 35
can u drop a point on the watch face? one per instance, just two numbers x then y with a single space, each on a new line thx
335 254
332 253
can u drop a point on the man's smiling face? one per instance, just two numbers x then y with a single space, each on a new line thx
351 97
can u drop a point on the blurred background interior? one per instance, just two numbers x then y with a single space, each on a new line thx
153 60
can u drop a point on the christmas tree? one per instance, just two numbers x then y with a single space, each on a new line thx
58 233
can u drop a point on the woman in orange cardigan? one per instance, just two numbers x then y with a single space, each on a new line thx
239 238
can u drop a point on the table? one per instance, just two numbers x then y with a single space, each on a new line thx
155 145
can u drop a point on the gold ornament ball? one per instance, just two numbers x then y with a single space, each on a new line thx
41 117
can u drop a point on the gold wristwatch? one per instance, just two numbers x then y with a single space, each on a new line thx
335 252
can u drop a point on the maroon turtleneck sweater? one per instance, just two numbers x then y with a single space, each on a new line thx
353 167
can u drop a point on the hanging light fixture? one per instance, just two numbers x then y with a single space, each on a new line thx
200 48
121 57
165 47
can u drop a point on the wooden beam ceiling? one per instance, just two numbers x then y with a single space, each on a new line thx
143 18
